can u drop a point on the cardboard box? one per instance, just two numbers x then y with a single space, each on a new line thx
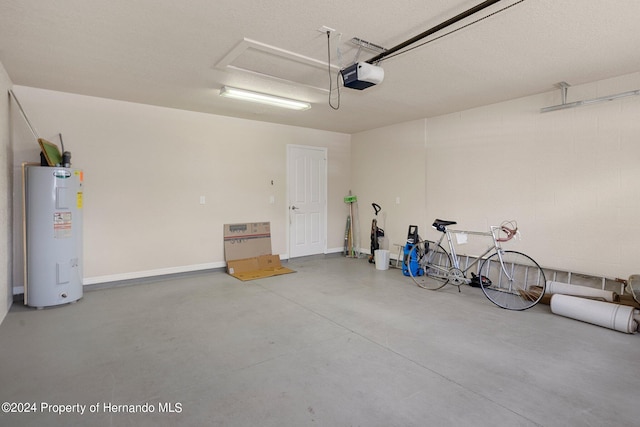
247 251
247 240
626 299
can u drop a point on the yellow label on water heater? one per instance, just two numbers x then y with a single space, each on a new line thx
79 199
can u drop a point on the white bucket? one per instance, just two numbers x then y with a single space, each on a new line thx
382 257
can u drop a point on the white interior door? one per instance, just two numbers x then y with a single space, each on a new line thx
307 177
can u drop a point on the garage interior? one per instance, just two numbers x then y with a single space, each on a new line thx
523 110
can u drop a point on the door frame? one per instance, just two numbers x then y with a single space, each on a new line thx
325 151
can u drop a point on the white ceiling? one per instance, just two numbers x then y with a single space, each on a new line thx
179 53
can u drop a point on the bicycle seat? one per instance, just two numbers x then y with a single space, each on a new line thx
441 224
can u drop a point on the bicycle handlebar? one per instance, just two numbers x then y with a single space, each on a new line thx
510 233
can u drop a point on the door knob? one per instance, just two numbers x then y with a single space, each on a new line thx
293 208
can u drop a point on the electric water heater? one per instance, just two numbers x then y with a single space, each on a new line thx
54 236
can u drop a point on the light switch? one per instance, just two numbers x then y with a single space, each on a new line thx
398 200
203 200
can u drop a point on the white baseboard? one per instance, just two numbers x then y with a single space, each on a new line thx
151 273
17 290
158 272
334 250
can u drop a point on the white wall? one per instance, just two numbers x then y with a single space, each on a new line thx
146 168
388 165
6 158
570 178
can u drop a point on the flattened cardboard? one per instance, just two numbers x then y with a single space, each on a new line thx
247 251
257 267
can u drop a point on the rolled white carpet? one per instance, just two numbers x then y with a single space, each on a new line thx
579 291
613 316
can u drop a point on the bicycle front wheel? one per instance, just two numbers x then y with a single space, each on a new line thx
516 281
428 264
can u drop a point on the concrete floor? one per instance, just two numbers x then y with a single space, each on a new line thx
338 343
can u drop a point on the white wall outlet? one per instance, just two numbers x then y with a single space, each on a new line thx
203 200
272 200
398 200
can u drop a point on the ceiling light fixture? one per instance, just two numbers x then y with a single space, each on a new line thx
566 105
263 98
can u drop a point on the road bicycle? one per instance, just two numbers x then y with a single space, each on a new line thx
509 279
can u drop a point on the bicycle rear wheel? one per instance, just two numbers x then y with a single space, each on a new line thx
516 283
428 264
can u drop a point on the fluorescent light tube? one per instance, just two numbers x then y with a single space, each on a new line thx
263 98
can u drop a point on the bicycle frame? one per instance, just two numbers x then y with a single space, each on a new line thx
447 272
509 279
